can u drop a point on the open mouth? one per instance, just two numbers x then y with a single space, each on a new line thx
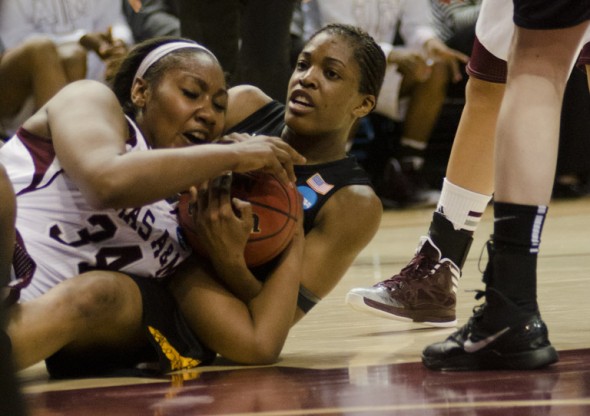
301 98
196 137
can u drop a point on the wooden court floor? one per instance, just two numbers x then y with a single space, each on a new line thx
340 361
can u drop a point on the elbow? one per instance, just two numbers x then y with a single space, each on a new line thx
256 355
104 194
266 356
102 200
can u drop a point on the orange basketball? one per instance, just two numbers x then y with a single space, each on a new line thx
275 208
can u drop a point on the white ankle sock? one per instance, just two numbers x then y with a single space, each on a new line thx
463 208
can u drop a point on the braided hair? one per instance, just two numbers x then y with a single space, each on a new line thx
366 52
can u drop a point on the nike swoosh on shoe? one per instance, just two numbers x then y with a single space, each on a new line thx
472 347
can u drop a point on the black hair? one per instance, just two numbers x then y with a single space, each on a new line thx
123 80
367 53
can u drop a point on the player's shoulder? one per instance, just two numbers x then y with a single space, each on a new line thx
244 100
84 92
354 204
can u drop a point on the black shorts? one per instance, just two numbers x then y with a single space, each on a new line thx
550 14
169 346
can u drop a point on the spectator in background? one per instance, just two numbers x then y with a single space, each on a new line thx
75 27
30 74
67 22
155 18
251 38
454 22
418 74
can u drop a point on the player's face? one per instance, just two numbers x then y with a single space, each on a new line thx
323 90
187 106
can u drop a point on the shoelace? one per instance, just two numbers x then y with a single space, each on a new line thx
419 267
462 333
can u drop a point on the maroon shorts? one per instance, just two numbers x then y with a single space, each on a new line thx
487 67
584 58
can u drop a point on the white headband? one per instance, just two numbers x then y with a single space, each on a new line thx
162 50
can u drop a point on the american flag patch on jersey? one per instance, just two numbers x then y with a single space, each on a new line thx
318 184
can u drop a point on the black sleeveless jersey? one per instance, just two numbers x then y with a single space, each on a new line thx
316 183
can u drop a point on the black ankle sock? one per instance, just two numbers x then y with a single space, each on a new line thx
517 232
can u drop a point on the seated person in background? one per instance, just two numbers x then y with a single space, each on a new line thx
454 22
30 74
75 27
155 18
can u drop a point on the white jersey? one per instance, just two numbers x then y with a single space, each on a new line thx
495 27
64 236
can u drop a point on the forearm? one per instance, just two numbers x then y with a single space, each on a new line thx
236 276
273 310
248 333
124 181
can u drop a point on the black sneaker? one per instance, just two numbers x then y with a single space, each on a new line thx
521 343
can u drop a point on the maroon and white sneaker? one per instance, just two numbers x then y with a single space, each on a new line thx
424 292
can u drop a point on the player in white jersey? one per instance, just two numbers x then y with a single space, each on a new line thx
64 235
92 169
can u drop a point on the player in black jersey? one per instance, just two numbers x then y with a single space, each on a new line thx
336 81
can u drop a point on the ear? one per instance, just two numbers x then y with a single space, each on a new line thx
139 92
366 106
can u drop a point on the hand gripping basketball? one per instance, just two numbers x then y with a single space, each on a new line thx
276 209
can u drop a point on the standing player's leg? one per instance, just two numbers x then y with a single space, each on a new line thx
507 331
425 290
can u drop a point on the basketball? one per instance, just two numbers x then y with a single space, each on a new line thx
275 210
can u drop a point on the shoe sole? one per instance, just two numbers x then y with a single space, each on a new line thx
493 360
359 303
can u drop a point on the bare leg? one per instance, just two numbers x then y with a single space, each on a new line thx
528 125
94 309
425 104
471 164
33 68
465 196
73 60
508 327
